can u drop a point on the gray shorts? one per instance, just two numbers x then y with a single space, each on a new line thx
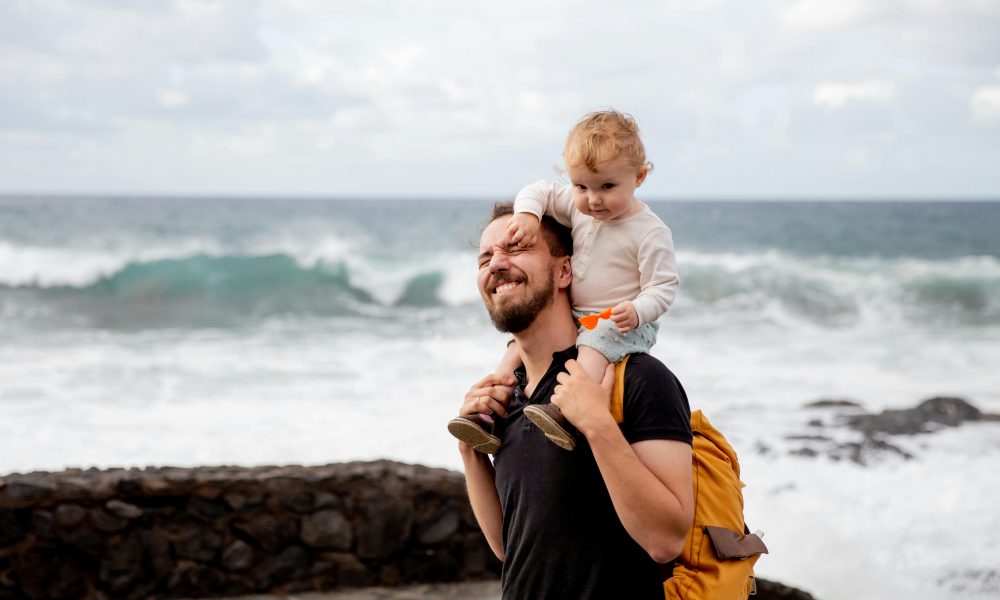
606 339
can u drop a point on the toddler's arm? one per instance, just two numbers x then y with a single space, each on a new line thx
541 198
657 276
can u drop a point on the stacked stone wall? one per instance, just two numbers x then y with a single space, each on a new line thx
175 532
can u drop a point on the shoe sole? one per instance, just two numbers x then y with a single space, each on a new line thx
552 430
471 434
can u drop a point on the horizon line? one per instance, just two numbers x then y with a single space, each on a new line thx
476 197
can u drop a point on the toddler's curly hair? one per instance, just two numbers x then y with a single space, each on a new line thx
605 135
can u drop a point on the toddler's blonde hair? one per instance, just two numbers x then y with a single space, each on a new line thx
605 135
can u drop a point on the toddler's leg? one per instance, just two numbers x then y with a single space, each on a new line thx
511 360
593 362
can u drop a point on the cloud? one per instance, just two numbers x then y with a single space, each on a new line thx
833 96
985 103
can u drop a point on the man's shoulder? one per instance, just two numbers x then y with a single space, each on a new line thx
642 366
645 375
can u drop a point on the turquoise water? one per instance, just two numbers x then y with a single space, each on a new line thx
224 331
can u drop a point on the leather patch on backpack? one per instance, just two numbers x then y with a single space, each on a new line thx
730 545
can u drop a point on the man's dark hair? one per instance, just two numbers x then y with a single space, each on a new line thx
558 237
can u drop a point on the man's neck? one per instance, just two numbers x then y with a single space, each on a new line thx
552 331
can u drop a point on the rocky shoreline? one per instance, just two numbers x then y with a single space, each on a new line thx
354 531
844 430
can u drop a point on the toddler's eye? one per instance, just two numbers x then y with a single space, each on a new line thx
581 187
607 186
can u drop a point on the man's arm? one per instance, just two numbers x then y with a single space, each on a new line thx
649 482
480 478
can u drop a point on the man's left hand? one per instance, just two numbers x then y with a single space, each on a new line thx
583 402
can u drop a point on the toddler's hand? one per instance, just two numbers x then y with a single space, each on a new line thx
523 229
625 316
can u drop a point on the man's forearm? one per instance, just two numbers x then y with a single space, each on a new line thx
480 480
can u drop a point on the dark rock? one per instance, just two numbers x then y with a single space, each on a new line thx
327 500
235 501
207 510
123 510
925 417
28 489
804 451
870 450
772 590
833 404
157 551
440 526
302 502
192 579
198 544
350 572
108 523
68 515
238 556
49 576
43 523
385 527
86 540
13 525
327 529
291 563
121 564
268 532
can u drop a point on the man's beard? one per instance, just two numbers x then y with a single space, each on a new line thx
515 317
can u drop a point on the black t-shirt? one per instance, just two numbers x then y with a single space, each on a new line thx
562 538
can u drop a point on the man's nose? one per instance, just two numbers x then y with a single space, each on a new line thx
499 262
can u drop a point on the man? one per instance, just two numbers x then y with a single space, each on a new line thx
598 522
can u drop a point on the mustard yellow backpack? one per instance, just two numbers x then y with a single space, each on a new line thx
719 552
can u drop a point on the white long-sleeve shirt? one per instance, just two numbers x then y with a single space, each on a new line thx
613 261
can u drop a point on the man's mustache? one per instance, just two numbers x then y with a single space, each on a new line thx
502 278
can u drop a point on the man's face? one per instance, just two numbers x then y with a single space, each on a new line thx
515 283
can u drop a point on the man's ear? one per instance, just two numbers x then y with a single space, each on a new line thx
564 275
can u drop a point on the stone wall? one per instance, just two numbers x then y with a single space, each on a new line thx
210 531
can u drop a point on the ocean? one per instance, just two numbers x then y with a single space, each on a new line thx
193 331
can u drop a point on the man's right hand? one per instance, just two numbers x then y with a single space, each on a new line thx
489 395
523 229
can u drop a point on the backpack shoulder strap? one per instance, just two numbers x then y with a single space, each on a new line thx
618 391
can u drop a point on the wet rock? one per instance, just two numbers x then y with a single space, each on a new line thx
772 590
833 404
926 417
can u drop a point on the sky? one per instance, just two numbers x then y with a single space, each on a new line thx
426 99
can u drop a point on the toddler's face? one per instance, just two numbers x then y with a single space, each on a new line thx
609 193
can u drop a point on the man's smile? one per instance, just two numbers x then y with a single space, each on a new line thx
504 288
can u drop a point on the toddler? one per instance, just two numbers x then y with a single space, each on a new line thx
623 258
